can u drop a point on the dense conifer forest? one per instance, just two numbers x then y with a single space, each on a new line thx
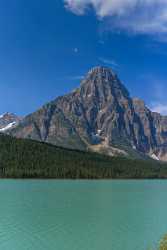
21 158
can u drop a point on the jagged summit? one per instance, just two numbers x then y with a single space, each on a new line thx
100 73
102 84
102 70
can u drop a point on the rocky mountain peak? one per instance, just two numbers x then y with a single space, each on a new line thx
102 72
103 84
8 120
100 116
100 75
8 115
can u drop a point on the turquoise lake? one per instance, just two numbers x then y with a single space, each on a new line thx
82 215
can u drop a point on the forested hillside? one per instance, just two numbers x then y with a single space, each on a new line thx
22 158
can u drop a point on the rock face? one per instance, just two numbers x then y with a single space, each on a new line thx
7 121
101 116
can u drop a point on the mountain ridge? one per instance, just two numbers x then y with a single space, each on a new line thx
8 120
101 116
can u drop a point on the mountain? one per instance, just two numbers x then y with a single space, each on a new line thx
100 116
7 121
22 158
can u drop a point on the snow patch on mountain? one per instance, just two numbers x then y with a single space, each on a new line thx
10 125
153 156
7 121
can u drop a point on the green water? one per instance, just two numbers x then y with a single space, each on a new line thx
82 215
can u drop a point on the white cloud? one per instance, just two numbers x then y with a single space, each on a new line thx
159 108
135 16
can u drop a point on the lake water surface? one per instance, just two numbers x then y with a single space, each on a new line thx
82 215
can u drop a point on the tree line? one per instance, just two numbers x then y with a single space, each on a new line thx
23 158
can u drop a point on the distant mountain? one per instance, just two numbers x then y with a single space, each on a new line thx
7 121
100 116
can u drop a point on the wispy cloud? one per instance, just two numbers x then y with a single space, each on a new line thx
159 108
157 89
77 77
133 16
108 62
101 42
70 78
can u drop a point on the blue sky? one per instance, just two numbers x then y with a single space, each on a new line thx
47 46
